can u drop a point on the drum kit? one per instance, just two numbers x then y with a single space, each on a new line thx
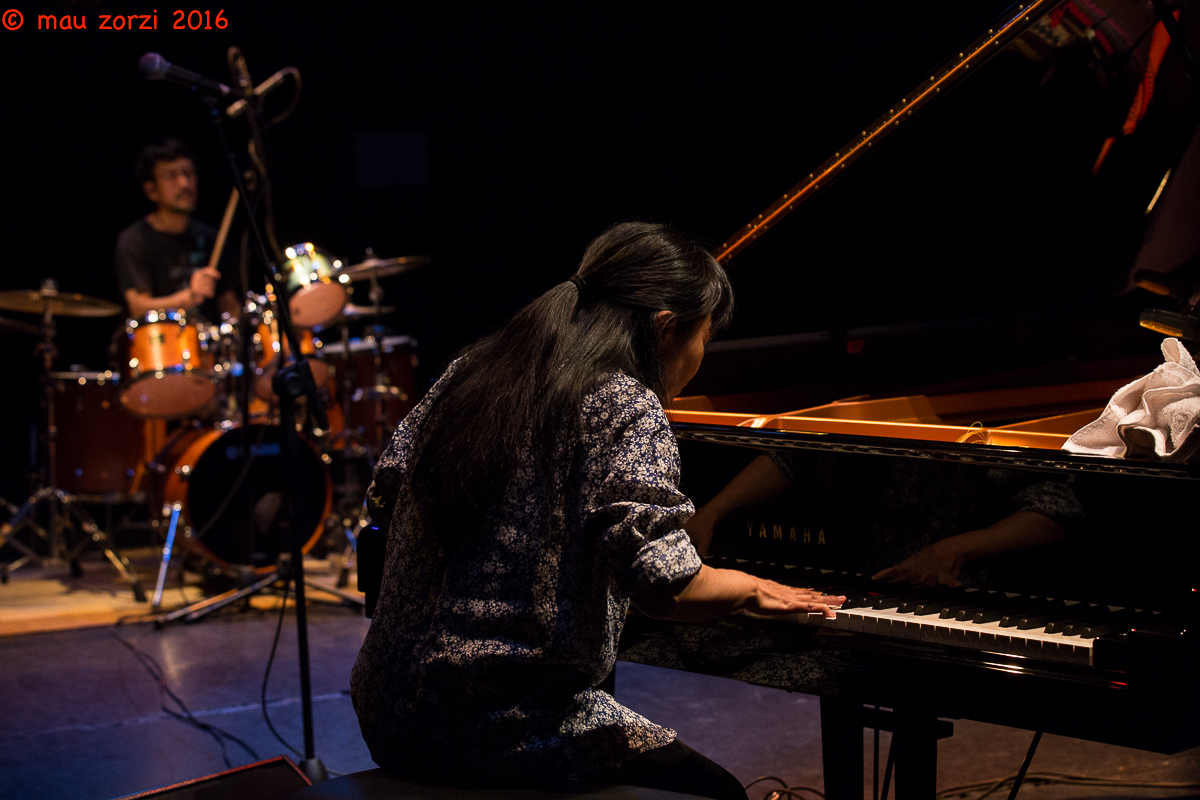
215 471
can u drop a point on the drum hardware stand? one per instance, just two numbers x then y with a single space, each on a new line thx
349 555
168 551
283 572
60 505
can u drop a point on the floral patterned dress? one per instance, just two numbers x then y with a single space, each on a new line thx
485 664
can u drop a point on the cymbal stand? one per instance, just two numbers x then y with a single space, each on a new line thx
350 441
382 388
60 506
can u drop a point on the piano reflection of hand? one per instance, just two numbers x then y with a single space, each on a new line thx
940 563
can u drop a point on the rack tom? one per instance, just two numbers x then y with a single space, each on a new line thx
271 350
316 291
167 369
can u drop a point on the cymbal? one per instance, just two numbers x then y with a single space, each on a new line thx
19 327
62 304
352 311
384 267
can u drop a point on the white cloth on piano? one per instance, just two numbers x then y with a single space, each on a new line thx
1152 417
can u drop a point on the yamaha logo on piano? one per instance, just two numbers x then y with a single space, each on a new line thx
803 536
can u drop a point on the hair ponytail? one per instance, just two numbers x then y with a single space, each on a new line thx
524 385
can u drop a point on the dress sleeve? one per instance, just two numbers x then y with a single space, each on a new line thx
633 504
393 463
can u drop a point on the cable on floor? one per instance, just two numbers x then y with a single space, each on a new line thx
151 665
786 792
267 675
991 786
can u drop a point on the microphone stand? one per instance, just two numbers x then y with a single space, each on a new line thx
290 382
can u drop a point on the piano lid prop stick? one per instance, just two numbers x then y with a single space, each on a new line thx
223 232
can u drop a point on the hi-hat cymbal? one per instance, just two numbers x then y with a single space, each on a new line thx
383 267
62 304
358 312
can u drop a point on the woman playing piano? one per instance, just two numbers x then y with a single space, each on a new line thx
530 498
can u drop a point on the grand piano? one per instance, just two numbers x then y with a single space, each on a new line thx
950 295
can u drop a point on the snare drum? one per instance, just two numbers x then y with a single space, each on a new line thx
167 366
317 296
229 484
98 445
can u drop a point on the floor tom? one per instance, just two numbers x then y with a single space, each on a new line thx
375 383
98 445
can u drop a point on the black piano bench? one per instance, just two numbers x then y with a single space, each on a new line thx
375 784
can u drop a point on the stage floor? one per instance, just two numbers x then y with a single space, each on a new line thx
82 716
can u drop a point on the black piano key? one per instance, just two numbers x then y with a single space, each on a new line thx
893 601
1002 608
1122 619
1098 615
1081 614
937 597
1030 622
963 613
949 609
1092 631
921 604
943 608
1039 607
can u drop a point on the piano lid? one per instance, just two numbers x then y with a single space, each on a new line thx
1001 211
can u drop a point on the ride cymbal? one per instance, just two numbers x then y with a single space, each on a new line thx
383 267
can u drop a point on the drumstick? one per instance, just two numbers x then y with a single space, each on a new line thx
230 208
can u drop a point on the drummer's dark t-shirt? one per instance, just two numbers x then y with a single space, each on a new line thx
161 264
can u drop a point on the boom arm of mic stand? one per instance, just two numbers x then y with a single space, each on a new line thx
306 386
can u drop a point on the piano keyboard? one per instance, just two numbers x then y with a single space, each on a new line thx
1012 624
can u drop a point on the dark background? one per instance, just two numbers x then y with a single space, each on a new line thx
499 139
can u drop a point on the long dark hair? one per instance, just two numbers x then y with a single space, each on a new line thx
525 384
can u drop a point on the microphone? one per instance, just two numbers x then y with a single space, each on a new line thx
235 109
156 68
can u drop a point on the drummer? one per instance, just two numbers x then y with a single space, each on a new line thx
161 260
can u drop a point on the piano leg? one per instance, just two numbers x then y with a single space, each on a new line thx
842 747
915 741
915 734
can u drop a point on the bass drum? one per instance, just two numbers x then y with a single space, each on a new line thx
229 483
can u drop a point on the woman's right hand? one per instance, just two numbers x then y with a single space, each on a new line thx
771 599
712 592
